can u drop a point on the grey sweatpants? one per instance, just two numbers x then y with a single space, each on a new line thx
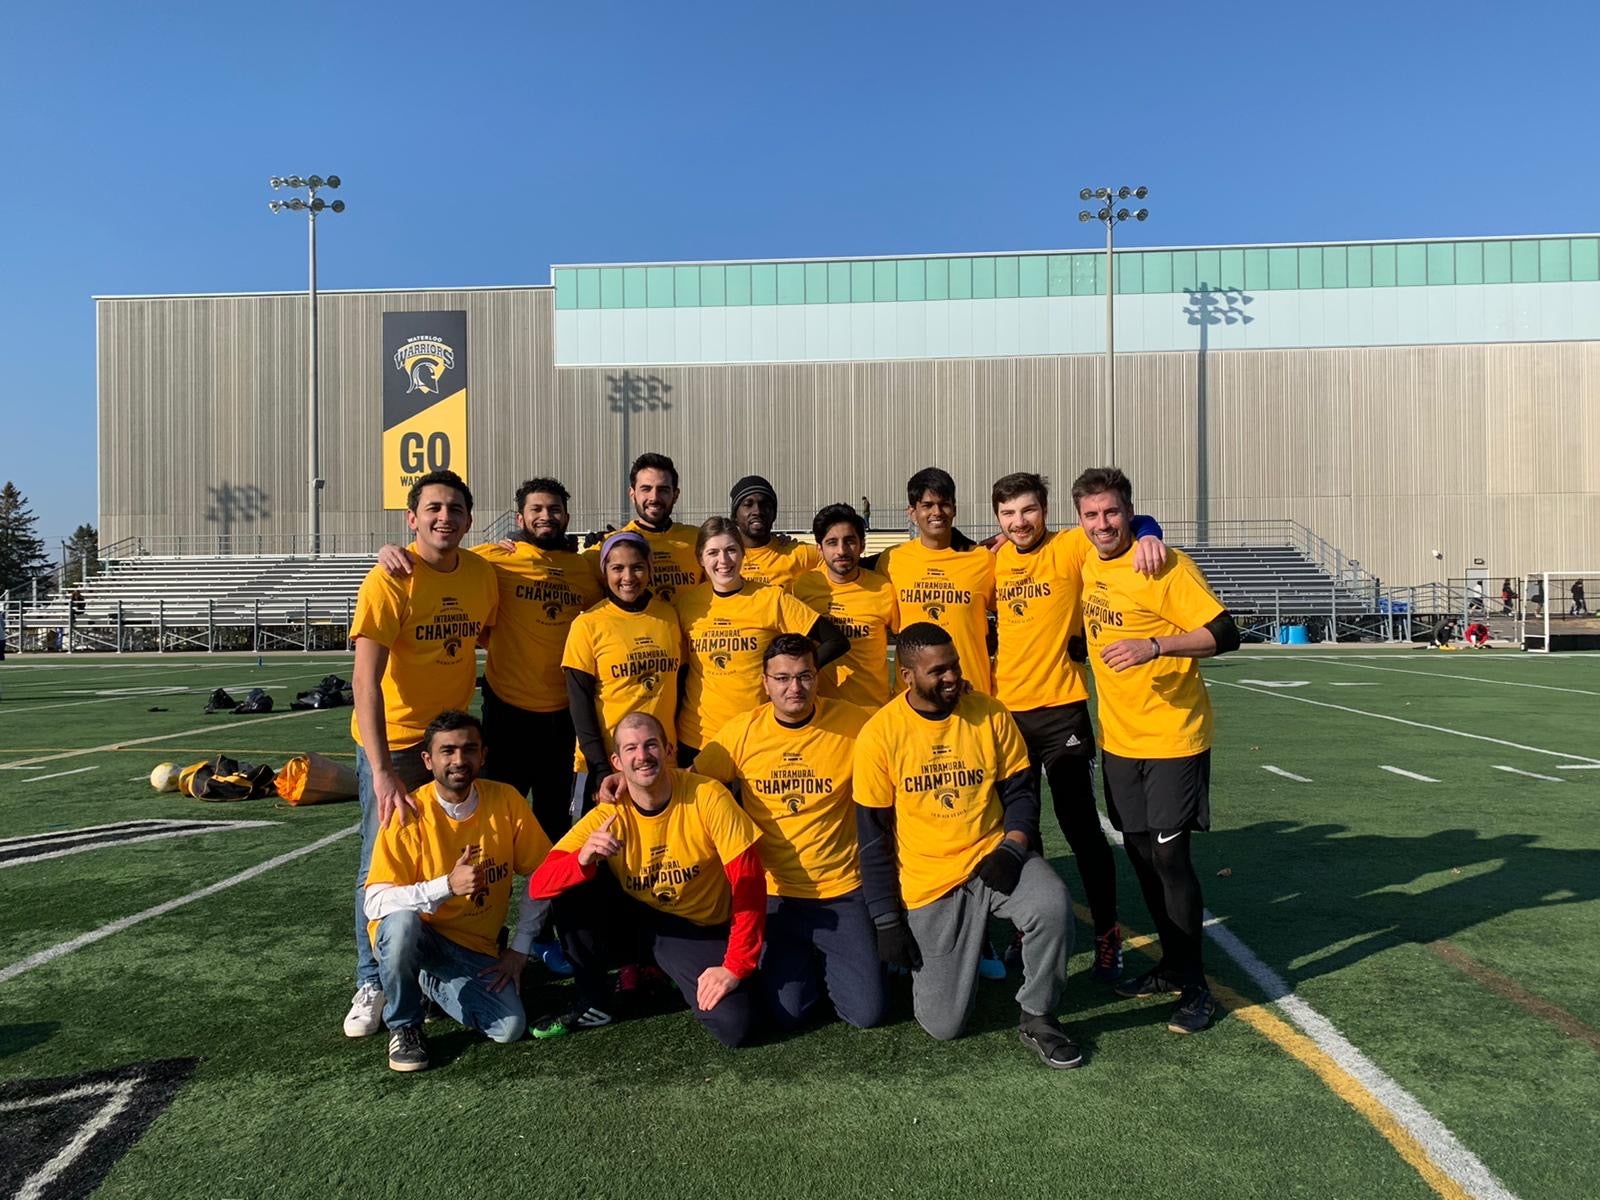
951 932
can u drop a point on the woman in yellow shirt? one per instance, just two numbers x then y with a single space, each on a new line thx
623 655
727 622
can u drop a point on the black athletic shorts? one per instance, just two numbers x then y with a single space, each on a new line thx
1161 795
1055 732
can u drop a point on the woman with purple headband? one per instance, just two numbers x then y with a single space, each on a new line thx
622 655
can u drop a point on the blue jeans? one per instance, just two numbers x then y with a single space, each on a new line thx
415 961
817 944
408 765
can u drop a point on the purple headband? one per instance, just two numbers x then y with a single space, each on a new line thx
623 537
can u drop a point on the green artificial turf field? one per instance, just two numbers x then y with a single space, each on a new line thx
1410 959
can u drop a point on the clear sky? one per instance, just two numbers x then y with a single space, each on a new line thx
479 143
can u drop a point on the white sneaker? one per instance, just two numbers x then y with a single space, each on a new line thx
366 1012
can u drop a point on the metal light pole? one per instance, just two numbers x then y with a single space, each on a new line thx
311 206
1110 217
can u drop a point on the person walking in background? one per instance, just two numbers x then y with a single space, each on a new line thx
1507 597
1579 607
866 512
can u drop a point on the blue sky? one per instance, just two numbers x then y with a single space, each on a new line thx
479 143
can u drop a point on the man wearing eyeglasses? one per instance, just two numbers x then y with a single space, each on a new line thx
793 762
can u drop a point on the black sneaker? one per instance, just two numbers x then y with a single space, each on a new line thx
1151 983
1108 956
408 1050
561 1024
1195 1007
1045 1037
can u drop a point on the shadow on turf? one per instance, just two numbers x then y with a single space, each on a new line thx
14 1039
1324 887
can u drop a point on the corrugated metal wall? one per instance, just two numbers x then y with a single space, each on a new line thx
1488 451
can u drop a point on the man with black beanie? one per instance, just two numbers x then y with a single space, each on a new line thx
768 558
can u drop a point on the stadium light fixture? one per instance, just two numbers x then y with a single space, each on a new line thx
1110 217
311 205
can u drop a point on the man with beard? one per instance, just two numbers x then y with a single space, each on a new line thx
947 810
860 602
768 557
653 488
438 892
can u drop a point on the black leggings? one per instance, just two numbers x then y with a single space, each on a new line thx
1172 892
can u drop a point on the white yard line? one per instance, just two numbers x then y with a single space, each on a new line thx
63 852
61 949
56 835
1543 687
1409 774
1578 766
57 775
1529 774
118 1096
1463 1167
1361 712
266 685
1355 685
163 737
1285 774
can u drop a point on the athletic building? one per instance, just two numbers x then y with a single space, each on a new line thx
1396 398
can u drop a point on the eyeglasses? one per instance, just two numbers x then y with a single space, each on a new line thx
805 679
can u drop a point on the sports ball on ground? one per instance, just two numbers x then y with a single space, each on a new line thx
164 778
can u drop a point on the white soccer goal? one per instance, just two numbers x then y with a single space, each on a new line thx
1557 611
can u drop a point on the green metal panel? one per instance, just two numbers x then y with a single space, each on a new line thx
1257 270
817 283
713 291
764 283
1586 258
1060 275
1555 260
1469 262
611 287
790 283
739 284
1411 265
1230 270
1310 267
1158 271
1359 265
1524 262
838 283
983 279
1005 276
1333 267
938 279
589 287
566 289
1383 266
961 279
1283 271
1084 274
1207 269
883 279
1130 274
686 287
1441 262
1033 275
633 287
1497 262
911 277
1099 274
658 285
860 282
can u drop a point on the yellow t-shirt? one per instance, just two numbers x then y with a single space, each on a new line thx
1158 709
795 786
430 621
673 860
541 593
427 846
634 657
942 778
724 638
952 588
1036 608
673 565
780 562
865 612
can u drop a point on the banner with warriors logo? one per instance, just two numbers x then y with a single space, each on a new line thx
424 399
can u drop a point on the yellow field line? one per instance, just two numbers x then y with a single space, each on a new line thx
1339 1081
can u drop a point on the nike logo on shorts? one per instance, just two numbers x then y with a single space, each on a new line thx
1162 841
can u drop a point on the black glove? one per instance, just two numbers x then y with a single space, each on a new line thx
896 945
1078 648
1001 868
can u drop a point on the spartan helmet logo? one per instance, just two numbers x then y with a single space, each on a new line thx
650 682
666 894
424 360
794 804
722 661
1094 631
934 611
552 610
1019 608
947 800
452 647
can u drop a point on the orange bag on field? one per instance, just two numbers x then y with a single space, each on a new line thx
316 779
